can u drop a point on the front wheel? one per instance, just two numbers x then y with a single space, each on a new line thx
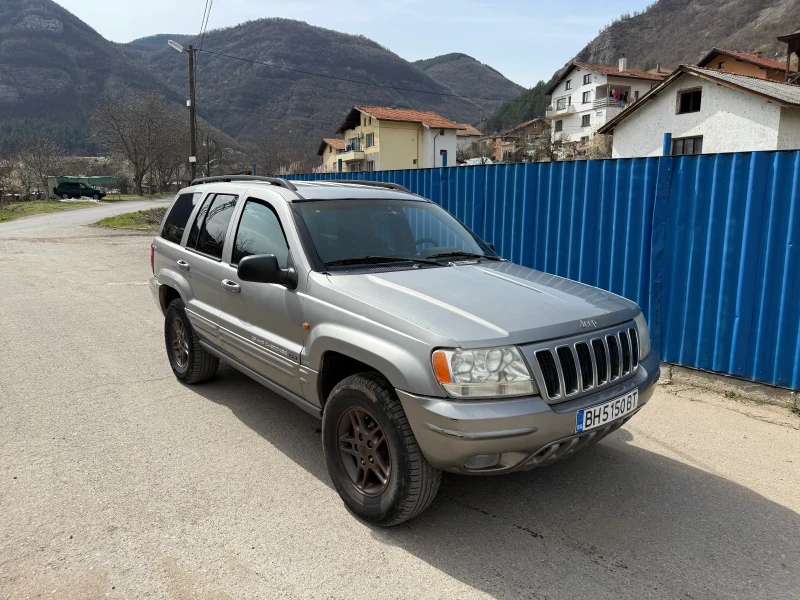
372 455
95 197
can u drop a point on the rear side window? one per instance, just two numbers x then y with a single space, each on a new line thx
178 217
211 238
260 232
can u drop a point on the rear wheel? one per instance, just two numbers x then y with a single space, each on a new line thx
65 196
189 361
95 197
372 454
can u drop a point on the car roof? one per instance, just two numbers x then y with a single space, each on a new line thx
303 191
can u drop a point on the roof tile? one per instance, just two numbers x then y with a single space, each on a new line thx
426 117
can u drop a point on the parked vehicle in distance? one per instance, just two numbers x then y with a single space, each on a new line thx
67 189
377 311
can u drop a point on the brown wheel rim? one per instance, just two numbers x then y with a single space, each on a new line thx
364 451
179 340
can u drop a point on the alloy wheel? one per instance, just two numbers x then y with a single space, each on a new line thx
364 451
180 343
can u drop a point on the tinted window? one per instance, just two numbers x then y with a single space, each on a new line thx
212 233
194 233
260 233
178 217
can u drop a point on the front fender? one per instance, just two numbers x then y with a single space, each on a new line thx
407 366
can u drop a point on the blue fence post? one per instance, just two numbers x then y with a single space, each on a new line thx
657 248
666 148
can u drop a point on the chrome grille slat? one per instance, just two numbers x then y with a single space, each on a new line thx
582 365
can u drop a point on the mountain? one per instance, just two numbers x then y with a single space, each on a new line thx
670 33
472 79
673 32
54 67
312 79
157 42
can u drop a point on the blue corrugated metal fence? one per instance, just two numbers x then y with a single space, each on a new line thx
708 246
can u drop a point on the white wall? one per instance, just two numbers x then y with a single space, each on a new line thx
728 120
446 141
572 129
789 130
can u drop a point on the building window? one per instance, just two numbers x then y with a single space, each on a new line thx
721 64
587 97
636 95
687 146
689 101
587 79
569 84
584 139
370 140
569 100
559 124
586 120
370 165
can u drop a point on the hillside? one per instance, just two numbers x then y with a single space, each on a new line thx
54 67
241 97
672 32
471 78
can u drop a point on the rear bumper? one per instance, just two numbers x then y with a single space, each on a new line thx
527 432
155 289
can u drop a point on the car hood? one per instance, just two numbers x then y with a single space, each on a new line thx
488 303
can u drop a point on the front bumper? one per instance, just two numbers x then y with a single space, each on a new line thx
527 432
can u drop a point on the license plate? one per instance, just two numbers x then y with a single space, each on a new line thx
597 416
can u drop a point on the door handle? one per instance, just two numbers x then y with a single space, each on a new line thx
231 286
182 265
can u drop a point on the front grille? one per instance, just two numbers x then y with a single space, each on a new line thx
547 364
569 369
613 356
576 366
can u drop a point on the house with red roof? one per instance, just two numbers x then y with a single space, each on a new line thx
586 96
745 63
380 138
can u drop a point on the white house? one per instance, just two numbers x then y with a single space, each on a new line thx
709 111
587 96
467 136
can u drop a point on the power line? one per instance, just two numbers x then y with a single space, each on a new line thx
359 82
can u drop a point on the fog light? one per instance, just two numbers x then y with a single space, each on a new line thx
482 461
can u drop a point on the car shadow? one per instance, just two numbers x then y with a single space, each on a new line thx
615 521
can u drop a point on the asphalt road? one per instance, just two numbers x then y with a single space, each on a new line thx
117 481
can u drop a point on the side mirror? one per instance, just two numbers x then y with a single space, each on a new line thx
264 268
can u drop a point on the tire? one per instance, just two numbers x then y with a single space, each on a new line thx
95 197
194 365
65 196
411 484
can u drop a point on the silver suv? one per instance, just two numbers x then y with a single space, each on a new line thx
377 311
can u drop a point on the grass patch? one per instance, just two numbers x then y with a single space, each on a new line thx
143 220
15 210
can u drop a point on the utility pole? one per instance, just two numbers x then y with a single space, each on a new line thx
190 103
192 132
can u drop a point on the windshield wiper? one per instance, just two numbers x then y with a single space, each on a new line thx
362 260
465 254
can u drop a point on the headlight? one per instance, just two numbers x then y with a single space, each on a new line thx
644 336
483 373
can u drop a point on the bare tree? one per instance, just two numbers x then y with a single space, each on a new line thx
139 127
599 146
276 154
7 161
39 156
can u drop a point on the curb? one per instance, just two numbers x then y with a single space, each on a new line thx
730 387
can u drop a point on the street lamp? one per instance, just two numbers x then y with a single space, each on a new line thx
190 103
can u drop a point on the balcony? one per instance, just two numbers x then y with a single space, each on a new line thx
352 152
559 110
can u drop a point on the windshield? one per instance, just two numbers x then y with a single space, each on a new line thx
386 229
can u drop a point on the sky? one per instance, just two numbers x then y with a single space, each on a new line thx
526 40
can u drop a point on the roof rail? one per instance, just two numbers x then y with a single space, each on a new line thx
228 178
380 184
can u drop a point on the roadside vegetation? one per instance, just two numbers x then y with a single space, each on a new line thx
15 210
147 221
